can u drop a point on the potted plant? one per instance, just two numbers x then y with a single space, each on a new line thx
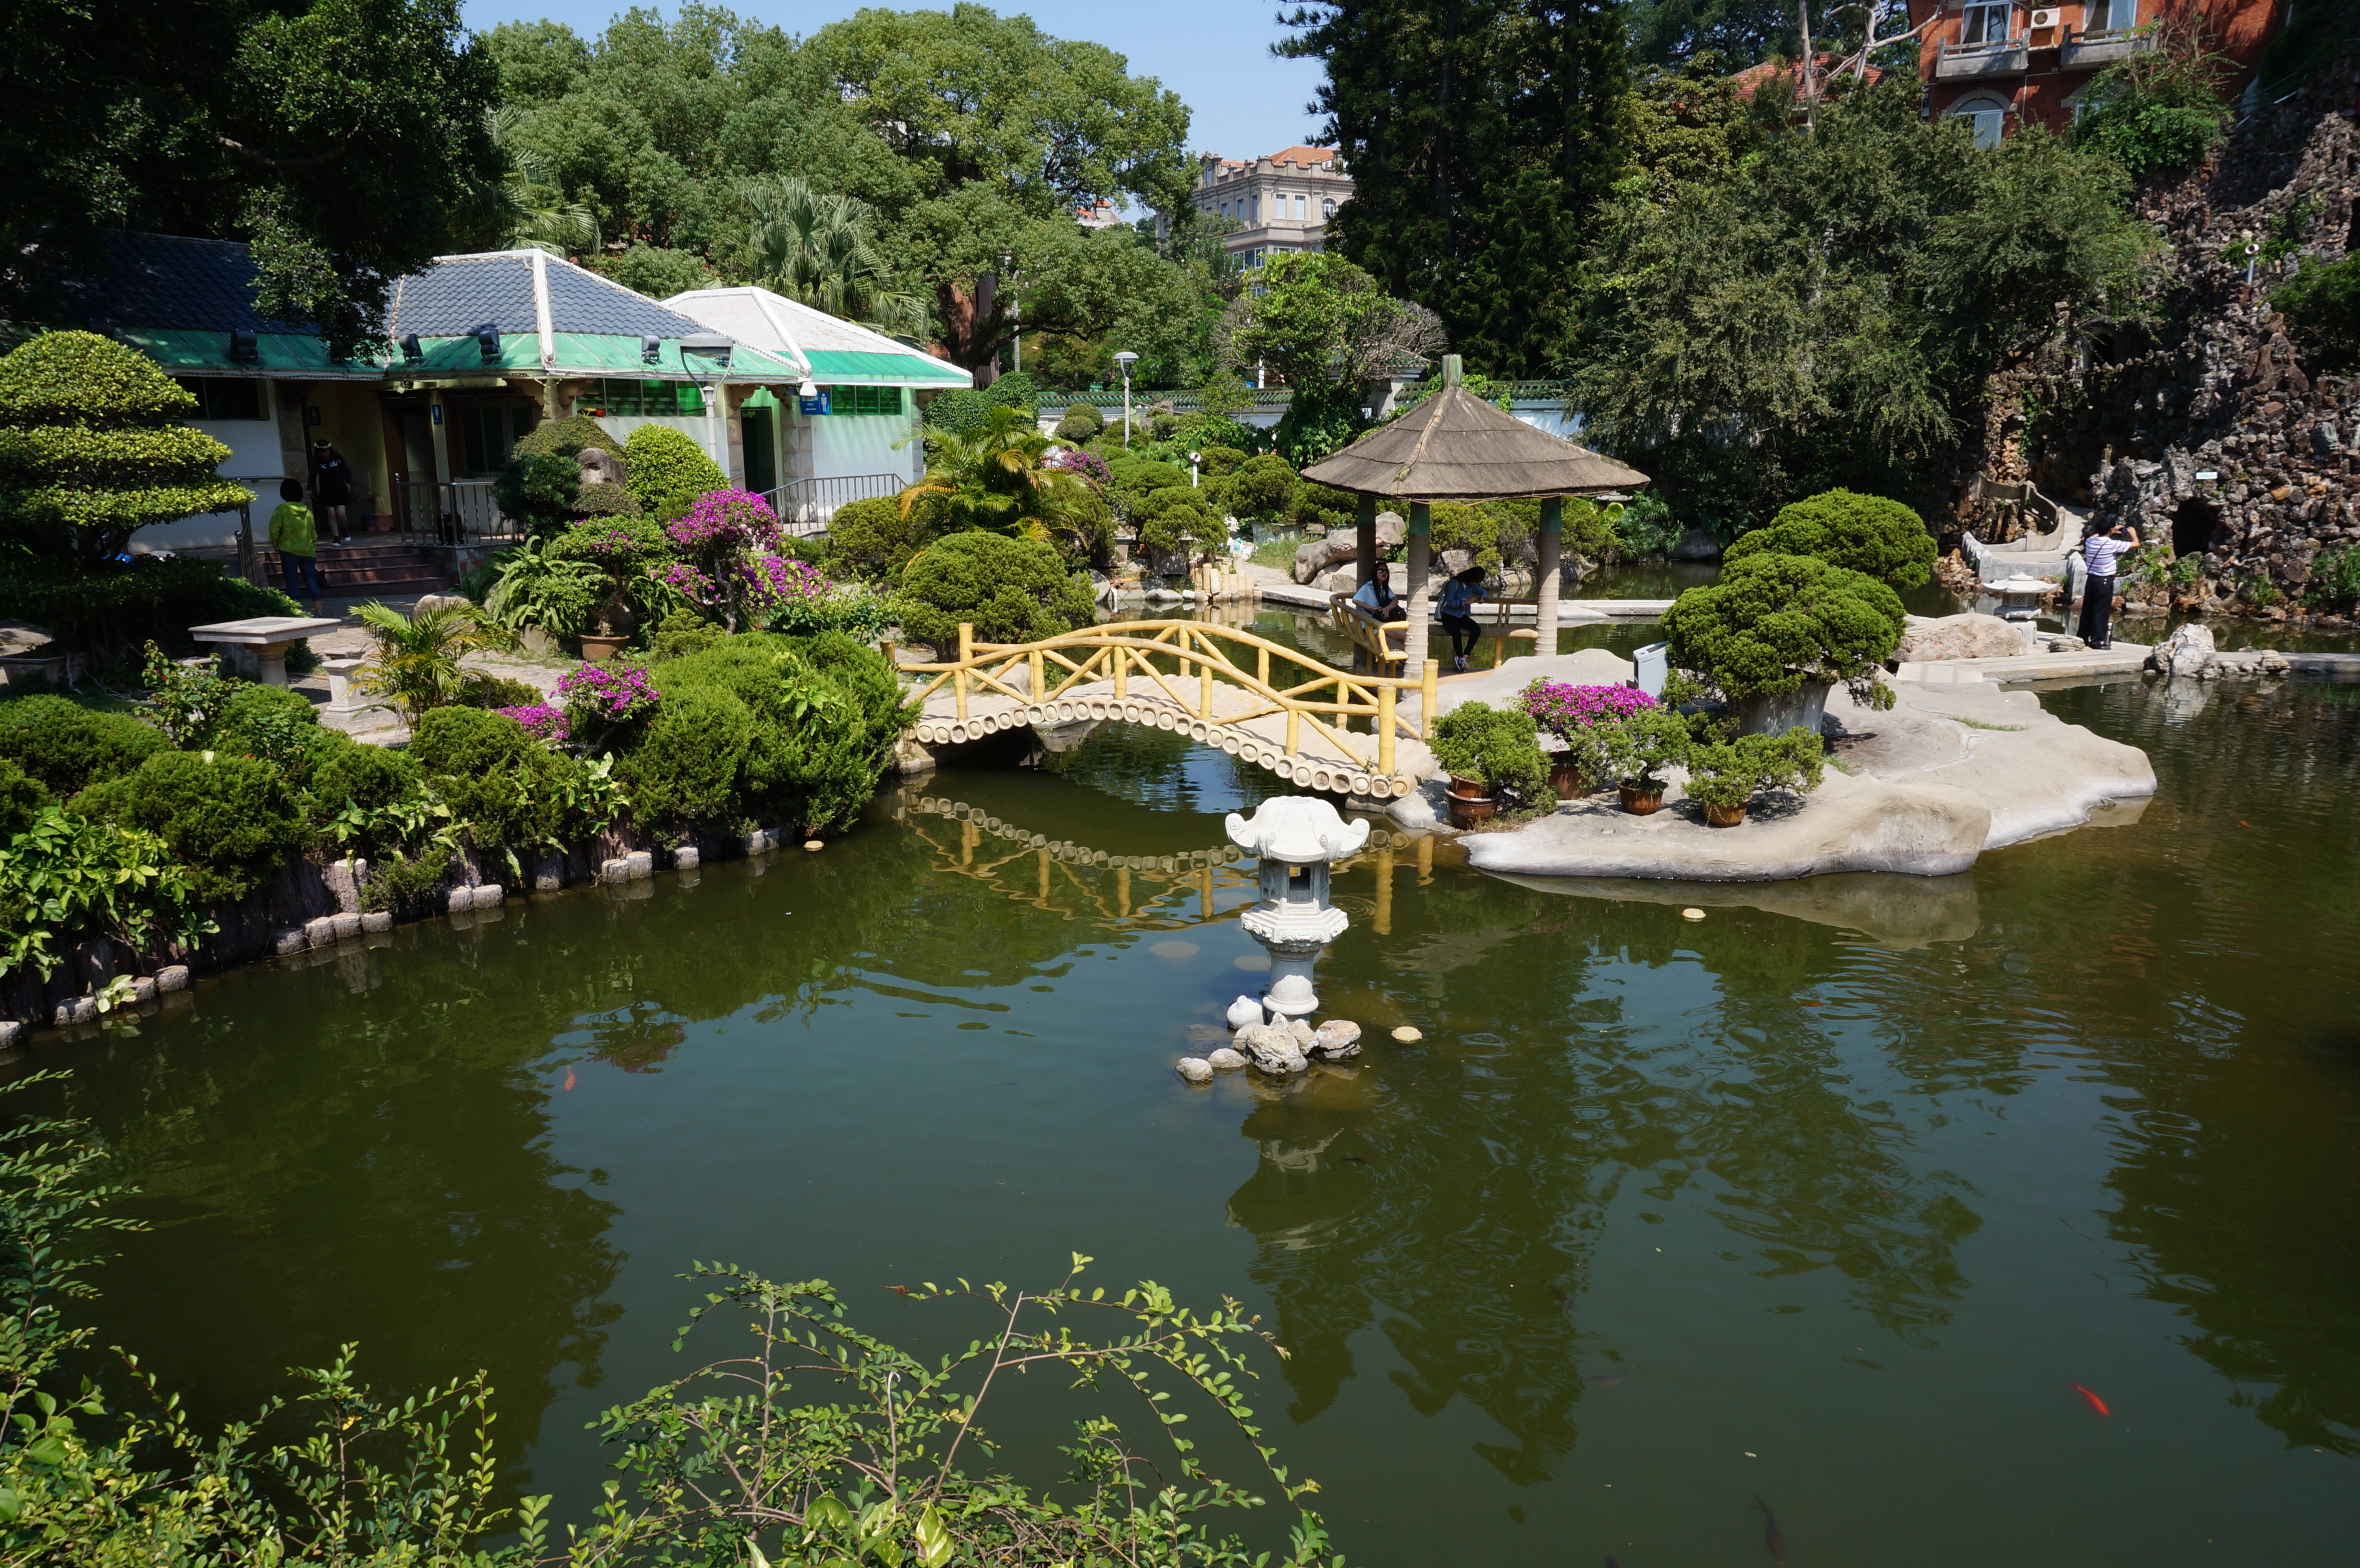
1489 753
1639 747
1575 717
1723 779
624 548
1777 631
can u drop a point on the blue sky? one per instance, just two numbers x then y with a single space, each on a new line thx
1214 54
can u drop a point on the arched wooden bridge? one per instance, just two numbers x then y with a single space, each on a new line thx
1321 727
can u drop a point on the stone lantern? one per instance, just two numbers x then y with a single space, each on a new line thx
1294 836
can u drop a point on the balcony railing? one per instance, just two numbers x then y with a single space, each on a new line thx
805 505
2088 52
1965 62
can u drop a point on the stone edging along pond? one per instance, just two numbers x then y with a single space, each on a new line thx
309 904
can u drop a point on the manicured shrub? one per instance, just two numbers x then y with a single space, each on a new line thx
68 748
271 725
89 453
1729 773
870 540
117 606
1867 534
959 411
538 488
1774 622
1263 487
567 438
627 549
1324 505
370 776
1135 476
504 787
22 796
1080 422
1167 521
1638 747
1011 589
684 769
667 471
227 817
1498 746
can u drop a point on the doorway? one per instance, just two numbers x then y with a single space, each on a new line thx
2195 527
761 451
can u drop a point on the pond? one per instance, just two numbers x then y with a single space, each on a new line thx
1831 1202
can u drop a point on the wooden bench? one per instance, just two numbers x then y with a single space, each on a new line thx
1378 639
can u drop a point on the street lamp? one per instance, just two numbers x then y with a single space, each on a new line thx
1126 359
1193 459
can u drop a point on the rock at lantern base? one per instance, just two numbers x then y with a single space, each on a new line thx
1225 1061
1195 1069
1271 1048
1243 1011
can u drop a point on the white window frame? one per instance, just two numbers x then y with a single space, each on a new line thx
2121 16
1986 115
1976 21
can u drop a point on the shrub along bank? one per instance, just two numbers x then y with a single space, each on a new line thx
220 813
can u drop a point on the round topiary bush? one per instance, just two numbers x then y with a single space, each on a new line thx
1080 422
1869 534
567 438
68 748
1168 519
1262 486
22 796
538 489
369 777
684 767
1773 623
667 471
1011 589
959 411
1501 747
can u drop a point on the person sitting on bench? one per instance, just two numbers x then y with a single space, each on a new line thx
1458 596
1377 597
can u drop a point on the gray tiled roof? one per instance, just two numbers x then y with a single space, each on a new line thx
453 297
165 282
582 302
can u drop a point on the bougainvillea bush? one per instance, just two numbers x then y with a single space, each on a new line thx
606 702
548 725
1581 719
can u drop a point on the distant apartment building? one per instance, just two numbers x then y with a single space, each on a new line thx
2002 65
1283 201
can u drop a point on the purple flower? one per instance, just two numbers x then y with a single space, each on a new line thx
1074 460
597 691
688 580
769 582
726 520
1562 709
547 724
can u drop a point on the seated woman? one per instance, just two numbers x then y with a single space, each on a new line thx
1377 597
1458 596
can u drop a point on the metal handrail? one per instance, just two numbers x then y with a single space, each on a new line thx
1112 655
805 506
449 512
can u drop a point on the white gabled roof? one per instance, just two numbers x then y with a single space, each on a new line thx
811 338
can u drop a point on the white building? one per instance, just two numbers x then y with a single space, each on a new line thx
1283 201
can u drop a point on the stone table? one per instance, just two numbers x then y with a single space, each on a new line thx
268 635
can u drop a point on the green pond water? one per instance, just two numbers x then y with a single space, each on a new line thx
1830 1199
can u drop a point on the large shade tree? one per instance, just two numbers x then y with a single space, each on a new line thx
340 137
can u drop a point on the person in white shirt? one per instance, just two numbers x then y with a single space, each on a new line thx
2103 554
1377 597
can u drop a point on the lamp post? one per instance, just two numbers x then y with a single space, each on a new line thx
709 351
1126 359
1193 459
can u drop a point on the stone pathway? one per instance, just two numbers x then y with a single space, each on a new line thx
377 725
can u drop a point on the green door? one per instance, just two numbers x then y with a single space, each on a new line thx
762 463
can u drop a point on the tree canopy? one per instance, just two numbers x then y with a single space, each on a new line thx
343 139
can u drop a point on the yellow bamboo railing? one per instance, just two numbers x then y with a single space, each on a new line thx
1320 696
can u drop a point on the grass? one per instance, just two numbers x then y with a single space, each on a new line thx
1275 553
1979 724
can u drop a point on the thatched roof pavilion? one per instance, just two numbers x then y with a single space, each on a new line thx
1456 447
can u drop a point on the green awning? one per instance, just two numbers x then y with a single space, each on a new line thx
577 354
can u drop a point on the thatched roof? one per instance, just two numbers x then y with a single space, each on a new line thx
1456 447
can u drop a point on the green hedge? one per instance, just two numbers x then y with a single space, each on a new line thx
67 747
667 471
22 796
507 788
117 608
228 819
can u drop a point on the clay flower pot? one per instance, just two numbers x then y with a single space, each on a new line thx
1564 777
1642 799
1724 816
597 649
1468 801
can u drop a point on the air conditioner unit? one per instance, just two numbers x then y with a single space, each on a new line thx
2044 18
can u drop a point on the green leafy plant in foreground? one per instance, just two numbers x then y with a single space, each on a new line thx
817 1444
66 879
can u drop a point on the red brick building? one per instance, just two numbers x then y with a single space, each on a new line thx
2003 64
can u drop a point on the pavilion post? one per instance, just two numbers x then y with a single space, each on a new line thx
1365 554
1421 539
1546 548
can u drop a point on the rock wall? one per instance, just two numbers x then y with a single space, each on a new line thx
2213 385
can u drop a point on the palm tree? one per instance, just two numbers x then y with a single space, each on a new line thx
417 662
529 211
820 250
993 477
